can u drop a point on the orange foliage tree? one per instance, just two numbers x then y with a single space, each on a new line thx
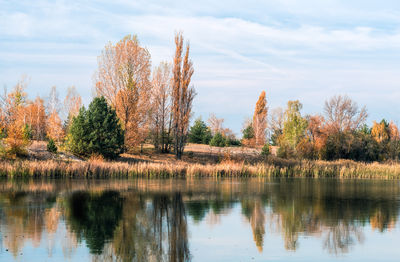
15 119
54 125
36 118
123 78
380 131
260 120
182 95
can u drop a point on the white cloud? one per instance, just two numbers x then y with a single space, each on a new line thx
308 50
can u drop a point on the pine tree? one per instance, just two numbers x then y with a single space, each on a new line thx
97 131
199 133
51 146
218 140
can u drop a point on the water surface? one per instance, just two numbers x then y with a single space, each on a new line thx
199 220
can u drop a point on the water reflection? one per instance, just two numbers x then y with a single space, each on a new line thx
151 220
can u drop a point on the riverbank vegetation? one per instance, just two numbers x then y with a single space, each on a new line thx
272 167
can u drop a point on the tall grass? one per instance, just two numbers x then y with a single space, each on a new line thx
275 168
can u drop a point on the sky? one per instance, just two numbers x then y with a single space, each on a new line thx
308 50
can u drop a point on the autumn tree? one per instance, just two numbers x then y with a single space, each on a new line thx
14 105
182 95
380 131
72 104
275 124
317 134
394 142
123 78
36 118
215 124
161 107
54 127
260 120
294 126
54 124
343 114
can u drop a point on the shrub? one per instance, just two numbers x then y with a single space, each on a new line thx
265 150
51 146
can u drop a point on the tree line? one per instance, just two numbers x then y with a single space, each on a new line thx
340 132
132 105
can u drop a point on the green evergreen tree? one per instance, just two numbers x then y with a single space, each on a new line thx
199 133
27 132
51 146
218 140
265 150
248 132
97 131
78 134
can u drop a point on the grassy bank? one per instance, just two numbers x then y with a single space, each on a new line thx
271 168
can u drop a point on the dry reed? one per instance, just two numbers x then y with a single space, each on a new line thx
104 169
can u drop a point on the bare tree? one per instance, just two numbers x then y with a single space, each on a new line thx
275 124
53 101
72 103
161 101
182 95
343 114
215 124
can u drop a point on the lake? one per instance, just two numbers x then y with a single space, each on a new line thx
199 220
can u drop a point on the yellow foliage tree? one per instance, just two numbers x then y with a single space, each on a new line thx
54 127
380 131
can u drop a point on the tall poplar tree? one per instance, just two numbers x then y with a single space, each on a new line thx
260 120
182 95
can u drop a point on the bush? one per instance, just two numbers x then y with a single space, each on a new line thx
265 150
96 131
286 151
51 146
218 140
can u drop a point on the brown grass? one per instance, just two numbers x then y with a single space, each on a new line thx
198 161
229 168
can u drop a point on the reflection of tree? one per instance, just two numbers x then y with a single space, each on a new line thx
341 236
198 209
153 230
94 217
254 211
23 219
146 220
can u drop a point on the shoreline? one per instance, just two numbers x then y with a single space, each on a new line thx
178 169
